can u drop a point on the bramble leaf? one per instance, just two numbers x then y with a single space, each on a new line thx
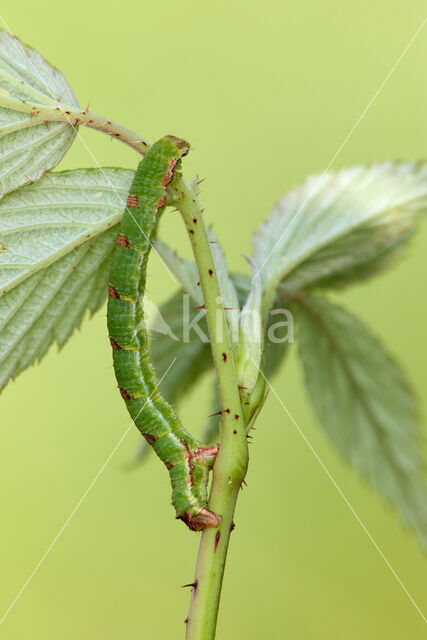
53 265
172 338
27 148
339 227
364 404
184 270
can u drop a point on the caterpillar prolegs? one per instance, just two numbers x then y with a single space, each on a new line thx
187 461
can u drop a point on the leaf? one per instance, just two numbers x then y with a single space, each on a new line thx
188 275
185 271
251 338
179 341
28 148
46 220
53 267
339 227
279 334
363 402
171 339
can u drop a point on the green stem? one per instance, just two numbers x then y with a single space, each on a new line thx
42 114
232 460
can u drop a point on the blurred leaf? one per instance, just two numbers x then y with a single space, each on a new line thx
339 227
279 334
184 270
178 340
363 402
337 265
28 149
194 356
251 338
188 275
52 265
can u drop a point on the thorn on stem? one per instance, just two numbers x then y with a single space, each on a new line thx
193 585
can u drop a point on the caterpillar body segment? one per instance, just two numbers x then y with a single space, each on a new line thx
187 461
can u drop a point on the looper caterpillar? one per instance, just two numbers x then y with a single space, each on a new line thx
186 459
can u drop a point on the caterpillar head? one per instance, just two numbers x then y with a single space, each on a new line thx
182 145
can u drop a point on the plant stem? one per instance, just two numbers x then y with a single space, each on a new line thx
232 460
43 114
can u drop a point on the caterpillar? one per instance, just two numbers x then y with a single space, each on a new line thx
187 461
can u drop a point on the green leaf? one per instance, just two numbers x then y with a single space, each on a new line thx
184 270
339 227
27 148
46 220
53 265
364 403
279 335
251 338
170 339
188 276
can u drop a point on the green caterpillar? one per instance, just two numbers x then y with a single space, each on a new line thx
187 461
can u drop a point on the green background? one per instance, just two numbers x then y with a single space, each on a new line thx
266 92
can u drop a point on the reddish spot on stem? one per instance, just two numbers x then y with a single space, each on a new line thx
217 537
210 272
236 416
224 357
